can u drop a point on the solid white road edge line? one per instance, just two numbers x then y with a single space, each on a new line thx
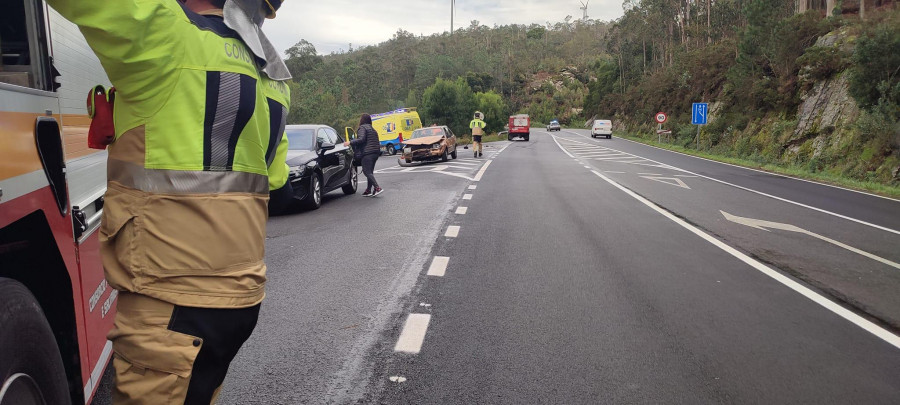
439 266
859 221
413 334
483 169
562 148
452 231
462 210
863 323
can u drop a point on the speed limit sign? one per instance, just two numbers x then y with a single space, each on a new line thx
661 118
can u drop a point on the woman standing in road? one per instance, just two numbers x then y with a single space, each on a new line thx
367 141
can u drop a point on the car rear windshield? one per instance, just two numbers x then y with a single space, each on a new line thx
426 132
301 139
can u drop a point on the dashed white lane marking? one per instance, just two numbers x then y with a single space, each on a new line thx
462 210
587 167
473 187
397 379
611 172
439 266
467 197
863 323
452 231
413 334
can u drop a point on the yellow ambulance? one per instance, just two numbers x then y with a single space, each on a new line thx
395 126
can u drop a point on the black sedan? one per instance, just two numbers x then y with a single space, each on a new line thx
319 163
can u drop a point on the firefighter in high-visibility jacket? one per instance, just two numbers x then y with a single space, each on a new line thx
477 125
200 109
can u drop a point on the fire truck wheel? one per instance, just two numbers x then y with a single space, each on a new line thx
30 362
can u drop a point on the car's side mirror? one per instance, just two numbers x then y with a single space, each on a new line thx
325 147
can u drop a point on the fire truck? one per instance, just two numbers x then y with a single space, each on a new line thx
519 127
55 305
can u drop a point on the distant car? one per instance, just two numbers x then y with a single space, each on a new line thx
554 126
601 128
431 143
319 163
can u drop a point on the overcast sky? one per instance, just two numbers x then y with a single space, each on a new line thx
332 25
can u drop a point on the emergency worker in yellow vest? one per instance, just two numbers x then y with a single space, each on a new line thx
200 109
477 125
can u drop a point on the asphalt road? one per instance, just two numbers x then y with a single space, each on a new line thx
573 270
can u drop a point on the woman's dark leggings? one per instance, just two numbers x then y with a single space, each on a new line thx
368 166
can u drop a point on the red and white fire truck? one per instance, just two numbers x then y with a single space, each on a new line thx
519 127
55 306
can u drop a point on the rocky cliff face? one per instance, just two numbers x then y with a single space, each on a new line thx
827 135
827 110
826 113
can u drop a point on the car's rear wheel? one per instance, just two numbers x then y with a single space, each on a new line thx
30 363
609 137
314 200
352 183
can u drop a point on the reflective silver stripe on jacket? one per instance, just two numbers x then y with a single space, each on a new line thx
185 182
224 121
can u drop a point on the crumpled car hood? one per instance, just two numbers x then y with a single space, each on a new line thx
428 140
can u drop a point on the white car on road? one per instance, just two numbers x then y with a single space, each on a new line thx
601 128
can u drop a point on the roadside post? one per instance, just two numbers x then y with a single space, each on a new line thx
699 116
661 118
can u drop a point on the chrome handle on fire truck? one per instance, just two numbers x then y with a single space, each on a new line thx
86 217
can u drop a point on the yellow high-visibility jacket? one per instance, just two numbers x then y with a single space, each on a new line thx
199 144
477 126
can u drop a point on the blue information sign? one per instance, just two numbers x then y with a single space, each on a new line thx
699 113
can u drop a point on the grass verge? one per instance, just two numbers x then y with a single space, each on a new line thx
467 140
827 178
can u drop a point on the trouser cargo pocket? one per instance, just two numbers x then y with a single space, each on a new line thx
153 364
